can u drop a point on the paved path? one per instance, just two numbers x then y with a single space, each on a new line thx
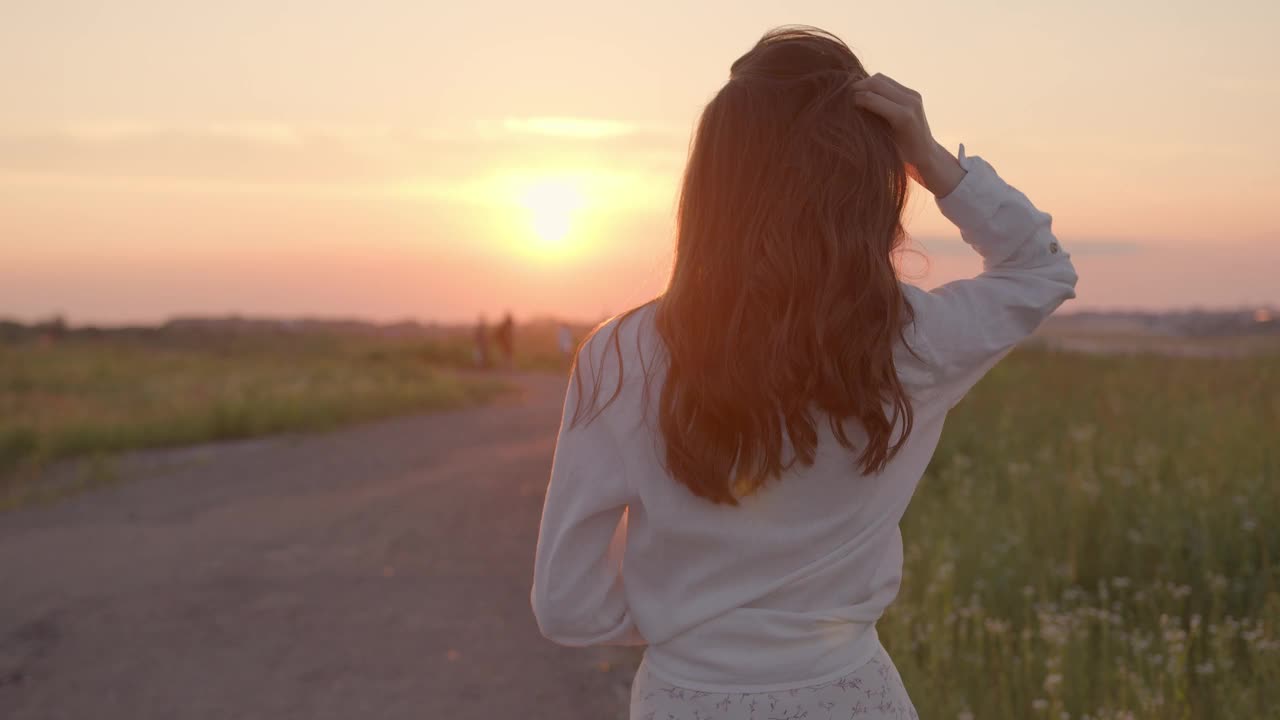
377 572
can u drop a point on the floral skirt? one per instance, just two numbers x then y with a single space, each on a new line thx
872 692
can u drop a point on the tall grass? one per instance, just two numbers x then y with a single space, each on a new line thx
1097 537
79 396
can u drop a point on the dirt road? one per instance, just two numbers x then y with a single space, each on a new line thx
376 572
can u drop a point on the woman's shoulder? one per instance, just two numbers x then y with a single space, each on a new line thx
625 346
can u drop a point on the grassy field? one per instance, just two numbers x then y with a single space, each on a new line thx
1097 537
92 397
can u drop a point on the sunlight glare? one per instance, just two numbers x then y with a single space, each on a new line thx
552 204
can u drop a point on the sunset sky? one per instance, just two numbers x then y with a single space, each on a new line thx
438 160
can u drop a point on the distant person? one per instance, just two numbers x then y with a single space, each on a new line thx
735 455
506 338
564 339
481 352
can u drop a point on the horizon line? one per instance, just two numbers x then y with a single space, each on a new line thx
70 323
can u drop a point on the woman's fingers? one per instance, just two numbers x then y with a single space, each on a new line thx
888 87
908 91
896 114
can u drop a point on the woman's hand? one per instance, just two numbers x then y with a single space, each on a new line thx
928 163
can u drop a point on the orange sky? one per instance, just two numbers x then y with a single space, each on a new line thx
409 159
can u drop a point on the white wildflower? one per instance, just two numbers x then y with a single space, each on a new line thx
1082 433
996 627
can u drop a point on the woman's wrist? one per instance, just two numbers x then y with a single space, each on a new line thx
941 173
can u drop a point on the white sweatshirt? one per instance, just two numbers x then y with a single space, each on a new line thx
785 589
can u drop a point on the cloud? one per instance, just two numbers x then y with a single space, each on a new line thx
216 154
586 128
286 155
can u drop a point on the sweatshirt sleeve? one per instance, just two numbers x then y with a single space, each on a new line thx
577 595
965 327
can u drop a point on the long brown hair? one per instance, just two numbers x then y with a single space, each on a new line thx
784 298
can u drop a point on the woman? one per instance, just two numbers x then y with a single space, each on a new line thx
735 456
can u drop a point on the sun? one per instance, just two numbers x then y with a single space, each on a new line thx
553 205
